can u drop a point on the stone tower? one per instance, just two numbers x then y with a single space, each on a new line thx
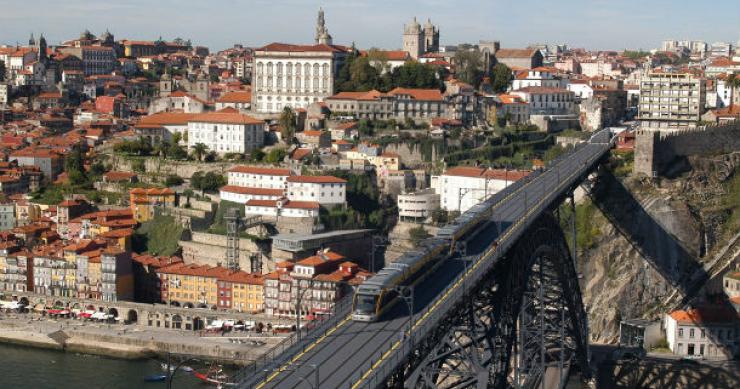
413 40
431 37
322 33
42 49
31 41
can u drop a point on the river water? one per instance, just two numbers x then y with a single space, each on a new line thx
26 367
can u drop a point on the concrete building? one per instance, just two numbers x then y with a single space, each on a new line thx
417 206
294 76
117 275
463 187
711 332
640 333
399 104
540 76
547 101
177 101
226 131
240 100
258 177
671 101
328 191
7 216
50 163
144 202
520 58
731 284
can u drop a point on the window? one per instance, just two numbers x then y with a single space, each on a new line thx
680 333
691 333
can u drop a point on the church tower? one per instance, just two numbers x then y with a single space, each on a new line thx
413 40
322 33
31 41
42 49
431 37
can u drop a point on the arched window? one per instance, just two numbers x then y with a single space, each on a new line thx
260 68
279 69
269 69
315 70
325 70
316 84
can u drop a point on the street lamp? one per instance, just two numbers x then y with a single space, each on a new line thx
407 294
298 301
171 372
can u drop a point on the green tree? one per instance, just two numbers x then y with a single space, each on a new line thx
208 182
138 166
173 180
287 122
501 78
176 151
276 156
199 150
417 234
257 155
176 138
162 149
469 65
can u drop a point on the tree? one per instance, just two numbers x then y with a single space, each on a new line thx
162 148
173 180
276 156
469 65
176 151
257 155
417 234
501 78
74 165
379 59
209 182
2 71
287 123
199 149
176 138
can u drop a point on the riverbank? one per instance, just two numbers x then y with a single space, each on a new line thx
129 342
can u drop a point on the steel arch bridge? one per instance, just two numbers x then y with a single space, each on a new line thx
507 312
526 321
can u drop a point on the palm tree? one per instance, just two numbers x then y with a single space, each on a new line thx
162 148
199 149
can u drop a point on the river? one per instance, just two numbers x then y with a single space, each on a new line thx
26 367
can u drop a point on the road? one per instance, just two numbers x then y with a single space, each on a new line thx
348 353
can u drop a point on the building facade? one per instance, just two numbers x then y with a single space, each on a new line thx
671 101
711 332
294 76
226 131
460 188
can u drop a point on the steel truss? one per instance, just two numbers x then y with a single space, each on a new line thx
523 323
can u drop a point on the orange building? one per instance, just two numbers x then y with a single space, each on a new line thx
145 201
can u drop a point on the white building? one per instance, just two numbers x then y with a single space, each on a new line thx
712 332
282 208
463 187
7 216
325 190
294 76
417 206
581 89
237 100
540 76
226 131
547 101
177 101
258 177
241 195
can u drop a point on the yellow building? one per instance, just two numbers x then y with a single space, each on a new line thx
241 291
190 285
145 201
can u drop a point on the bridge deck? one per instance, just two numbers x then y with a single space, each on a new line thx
355 354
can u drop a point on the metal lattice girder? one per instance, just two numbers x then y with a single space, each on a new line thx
524 318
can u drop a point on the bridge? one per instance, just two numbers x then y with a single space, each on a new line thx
507 312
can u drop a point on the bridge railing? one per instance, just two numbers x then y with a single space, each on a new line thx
386 361
292 345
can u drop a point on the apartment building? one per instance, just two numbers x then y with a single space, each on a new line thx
671 101
711 332
226 131
462 187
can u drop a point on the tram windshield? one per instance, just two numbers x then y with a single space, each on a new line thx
365 303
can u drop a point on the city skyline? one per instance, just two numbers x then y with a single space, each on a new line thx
515 25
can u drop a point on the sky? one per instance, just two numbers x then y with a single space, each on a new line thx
218 24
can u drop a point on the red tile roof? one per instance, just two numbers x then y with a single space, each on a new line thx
236 97
705 315
491 174
418 94
167 118
301 48
264 171
225 118
317 179
515 53
252 191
